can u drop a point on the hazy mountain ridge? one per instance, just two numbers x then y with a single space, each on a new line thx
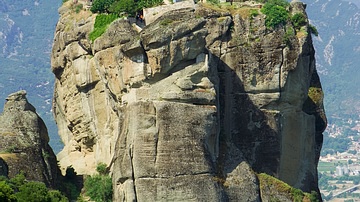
26 33
337 54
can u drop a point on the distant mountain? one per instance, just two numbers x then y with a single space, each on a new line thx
338 54
26 35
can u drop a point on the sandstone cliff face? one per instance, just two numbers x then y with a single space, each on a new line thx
190 107
24 143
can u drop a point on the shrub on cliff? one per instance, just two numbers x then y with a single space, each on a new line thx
276 13
124 6
101 6
313 30
148 4
298 20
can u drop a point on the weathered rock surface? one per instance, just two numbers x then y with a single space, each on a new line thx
191 107
24 143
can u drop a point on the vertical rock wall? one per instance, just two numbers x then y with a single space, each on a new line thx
191 107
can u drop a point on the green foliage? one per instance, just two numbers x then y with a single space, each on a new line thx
213 1
78 8
338 144
11 149
282 3
57 196
17 181
3 178
46 155
288 35
352 152
254 13
6 193
276 13
297 194
124 6
33 192
276 185
101 6
99 187
17 189
81 199
118 7
101 23
316 95
71 190
356 181
313 30
166 22
298 20
148 4
64 1
101 168
313 196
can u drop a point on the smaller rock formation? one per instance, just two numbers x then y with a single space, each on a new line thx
24 142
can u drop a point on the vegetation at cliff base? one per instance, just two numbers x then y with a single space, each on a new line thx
17 189
99 186
6 192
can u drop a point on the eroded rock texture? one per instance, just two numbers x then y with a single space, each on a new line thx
24 143
190 107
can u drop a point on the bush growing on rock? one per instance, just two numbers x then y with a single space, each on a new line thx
99 186
276 13
101 6
124 6
313 30
17 189
298 20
